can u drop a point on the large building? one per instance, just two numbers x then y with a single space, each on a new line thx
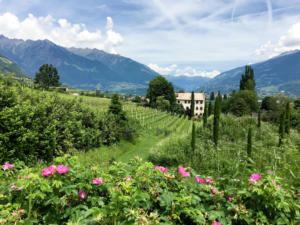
186 98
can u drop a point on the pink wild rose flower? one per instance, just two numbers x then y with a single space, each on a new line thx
216 223
214 191
13 186
199 180
81 194
7 166
161 168
127 179
48 171
229 198
98 181
254 178
182 172
208 181
62 169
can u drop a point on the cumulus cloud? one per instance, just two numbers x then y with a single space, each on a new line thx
288 42
59 31
191 72
188 71
163 70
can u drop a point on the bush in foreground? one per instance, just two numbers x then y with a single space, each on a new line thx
139 193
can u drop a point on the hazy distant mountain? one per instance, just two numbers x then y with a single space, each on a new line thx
7 66
188 83
80 68
281 73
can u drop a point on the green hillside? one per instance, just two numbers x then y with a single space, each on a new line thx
7 66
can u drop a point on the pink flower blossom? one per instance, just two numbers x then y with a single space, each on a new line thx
273 181
14 214
254 177
28 176
161 168
13 186
214 192
20 189
216 223
82 194
229 198
127 179
98 181
48 171
182 172
199 180
208 181
7 166
62 169
21 211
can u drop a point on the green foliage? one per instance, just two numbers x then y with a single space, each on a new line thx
136 193
162 103
37 126
247 81
159 86
47 77
243 103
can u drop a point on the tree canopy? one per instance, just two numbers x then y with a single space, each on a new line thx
159 86
47 76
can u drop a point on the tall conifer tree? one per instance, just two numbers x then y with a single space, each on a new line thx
281 127
192 104
205 115
193 141
249 143
209 108
287 118
216 121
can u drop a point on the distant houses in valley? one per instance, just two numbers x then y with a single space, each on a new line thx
185 100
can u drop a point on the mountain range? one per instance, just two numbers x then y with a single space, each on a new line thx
80 68
275 75
95 69
7 66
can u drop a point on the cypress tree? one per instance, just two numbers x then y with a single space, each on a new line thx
193 141
209 108
259 119
205 115
193 104
281 127
212 96
216 121
287 118
249 143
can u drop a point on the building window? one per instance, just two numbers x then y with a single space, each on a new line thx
178 102
200 114
189 101
201 101
197 102
185 102
201 108
196 114
197 108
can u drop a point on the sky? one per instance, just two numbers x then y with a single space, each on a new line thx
173 37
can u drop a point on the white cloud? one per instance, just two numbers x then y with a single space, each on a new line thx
188 71
288 42
191 72
163 70
59 31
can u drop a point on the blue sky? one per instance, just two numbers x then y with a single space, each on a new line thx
191 37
